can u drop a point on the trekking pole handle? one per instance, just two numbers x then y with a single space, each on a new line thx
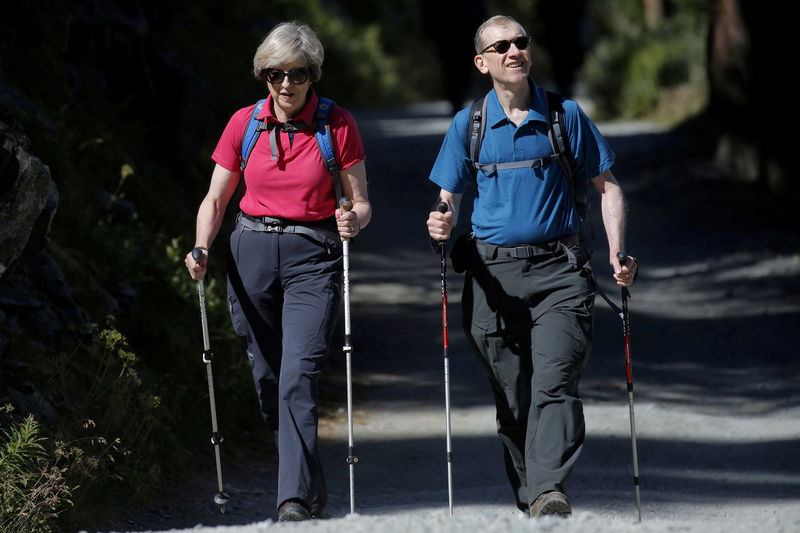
442 207
622 257
438 246
197 254
345 205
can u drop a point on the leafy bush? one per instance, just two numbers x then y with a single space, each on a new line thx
123 429
33 490
635 72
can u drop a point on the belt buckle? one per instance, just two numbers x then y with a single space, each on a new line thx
519 252
271 225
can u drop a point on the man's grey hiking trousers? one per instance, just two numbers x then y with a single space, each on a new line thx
528 314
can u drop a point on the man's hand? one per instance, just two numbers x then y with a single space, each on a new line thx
625 269
440 225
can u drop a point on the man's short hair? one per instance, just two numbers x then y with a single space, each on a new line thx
497 20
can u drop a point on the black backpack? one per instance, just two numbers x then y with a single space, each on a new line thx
559 140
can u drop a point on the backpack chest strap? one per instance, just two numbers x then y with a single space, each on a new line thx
489 168
275 128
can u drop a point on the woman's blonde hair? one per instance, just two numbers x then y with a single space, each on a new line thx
287 42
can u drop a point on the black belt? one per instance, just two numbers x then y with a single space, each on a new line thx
526 251
278 225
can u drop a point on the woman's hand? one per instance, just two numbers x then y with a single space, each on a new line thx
348 223
197 267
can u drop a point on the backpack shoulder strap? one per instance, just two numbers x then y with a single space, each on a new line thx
477 127
325 142
559 140
251 133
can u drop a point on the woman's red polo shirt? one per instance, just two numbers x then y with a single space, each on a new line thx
297 185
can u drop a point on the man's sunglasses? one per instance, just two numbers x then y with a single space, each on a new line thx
501 47
275 76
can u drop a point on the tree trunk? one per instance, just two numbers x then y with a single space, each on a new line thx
653 13
744 44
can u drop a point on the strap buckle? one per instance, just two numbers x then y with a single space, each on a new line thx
272 225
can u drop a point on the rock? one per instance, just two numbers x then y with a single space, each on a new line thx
36 302
28 198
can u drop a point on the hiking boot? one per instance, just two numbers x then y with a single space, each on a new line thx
551 503
293 510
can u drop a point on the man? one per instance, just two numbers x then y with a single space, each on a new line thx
529 292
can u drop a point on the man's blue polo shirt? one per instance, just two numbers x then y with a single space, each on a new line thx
527 205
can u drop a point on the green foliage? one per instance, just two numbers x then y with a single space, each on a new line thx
33 491
635 72
183 284
370 48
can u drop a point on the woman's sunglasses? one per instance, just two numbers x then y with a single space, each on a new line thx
275 76
501 47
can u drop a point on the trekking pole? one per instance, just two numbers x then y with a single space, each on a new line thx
622 257
216 438
442 208
344 206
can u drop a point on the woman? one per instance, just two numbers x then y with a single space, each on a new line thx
286 257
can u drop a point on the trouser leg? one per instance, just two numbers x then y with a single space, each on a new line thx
311 304
255 299
556 431
504 355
